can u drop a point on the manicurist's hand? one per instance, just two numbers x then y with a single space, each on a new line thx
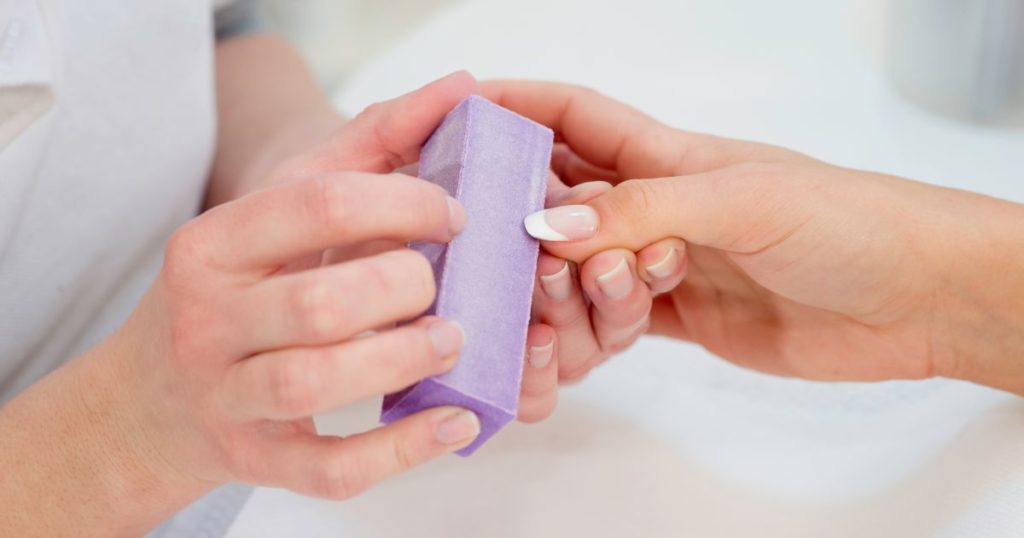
795 267
217 372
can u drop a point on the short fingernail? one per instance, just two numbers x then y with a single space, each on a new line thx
540 356
456 216
617 283
666 266
557 286
565 223
458 428
446 337
583 192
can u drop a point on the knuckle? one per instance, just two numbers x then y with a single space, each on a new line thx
292 387
339 480
333 201
317 312
633 197
182 253
402 456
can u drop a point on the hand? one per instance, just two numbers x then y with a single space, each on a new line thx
252 352
585 313
217 372
796 267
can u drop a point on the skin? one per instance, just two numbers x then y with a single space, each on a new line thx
793 266
249 329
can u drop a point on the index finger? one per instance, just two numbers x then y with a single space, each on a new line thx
613 135
271 227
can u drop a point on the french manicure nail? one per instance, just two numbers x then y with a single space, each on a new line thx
565 223
458 428
446 337
557 286
617 283
540 356
456 216
666 266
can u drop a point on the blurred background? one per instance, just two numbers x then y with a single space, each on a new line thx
338 36
667 440
961 58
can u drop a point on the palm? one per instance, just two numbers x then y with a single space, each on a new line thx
720 307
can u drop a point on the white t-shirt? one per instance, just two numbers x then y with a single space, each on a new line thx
106 135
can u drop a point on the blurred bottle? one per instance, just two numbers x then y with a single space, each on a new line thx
960 58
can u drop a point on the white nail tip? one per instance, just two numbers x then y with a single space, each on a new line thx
538 227
621 267
555 276
665 266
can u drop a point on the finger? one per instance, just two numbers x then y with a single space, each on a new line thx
539 393
662 265
579 194
574 170
388 135
341 468
612 135
299 382
358 250
621 302
555 187
740 209
335 302
559 303
277 225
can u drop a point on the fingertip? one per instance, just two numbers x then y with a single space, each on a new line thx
662 265
457 428
540 346
609 277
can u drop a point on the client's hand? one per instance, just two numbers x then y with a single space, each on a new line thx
795 267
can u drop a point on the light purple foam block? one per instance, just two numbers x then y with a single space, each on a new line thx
495 162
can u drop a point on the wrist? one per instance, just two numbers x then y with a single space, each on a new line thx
73 441
984 302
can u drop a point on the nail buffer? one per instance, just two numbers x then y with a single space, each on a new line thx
495 162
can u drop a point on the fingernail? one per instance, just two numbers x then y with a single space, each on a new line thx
456 216
557 286
540 356
666 266
446 337
583 192
565 223
617 283
458 428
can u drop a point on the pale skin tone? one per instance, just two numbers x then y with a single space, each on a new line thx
792 266
822 273
257 321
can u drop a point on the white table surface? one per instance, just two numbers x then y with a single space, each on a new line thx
667 440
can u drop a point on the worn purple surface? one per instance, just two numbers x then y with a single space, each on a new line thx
495 162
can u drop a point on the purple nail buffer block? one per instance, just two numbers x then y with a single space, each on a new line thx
495 162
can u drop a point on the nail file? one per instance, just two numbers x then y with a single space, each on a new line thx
495 162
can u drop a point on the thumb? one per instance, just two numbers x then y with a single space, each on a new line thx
389 134
741 209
